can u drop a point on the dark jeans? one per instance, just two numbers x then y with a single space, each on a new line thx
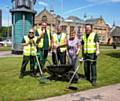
72 60
25 61
90 67
59 56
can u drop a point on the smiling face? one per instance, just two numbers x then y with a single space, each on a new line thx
72 35
31 33
44 25
88 28
59 29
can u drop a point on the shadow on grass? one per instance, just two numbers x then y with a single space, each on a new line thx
114 54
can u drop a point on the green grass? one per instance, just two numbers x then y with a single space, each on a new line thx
28 88
108 46
3 48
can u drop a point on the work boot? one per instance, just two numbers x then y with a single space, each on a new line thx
32 74
21 76
93 83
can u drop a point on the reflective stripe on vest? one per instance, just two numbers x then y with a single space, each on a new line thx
40 44
29 50
89 44
62 40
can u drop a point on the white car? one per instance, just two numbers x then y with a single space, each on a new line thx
7 42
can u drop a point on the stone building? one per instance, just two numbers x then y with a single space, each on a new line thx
51 19
115 35
100 27
73 22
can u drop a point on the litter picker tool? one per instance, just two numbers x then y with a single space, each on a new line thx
70 81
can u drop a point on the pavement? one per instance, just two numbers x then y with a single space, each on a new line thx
107 93
7 54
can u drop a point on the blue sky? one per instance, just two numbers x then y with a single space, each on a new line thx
109 9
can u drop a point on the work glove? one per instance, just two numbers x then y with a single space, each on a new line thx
97 53
81 59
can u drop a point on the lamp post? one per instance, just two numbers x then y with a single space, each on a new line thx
61 12
8 23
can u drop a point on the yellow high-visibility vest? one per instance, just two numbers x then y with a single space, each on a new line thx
62 41
40 44
29 50
89 44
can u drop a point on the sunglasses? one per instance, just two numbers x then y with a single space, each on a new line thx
31 32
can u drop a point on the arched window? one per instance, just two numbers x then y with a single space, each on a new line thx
24 3
44 18
27 3
19 3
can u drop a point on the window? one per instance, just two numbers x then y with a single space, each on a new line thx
19 3
24 3
71 28
27 3
44 18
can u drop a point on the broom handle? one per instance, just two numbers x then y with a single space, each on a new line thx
39 65
38 60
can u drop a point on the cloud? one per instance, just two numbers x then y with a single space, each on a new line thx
92 4
42 3
86 6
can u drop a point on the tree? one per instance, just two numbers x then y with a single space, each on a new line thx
4 31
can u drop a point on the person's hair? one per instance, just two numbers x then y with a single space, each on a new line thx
88 24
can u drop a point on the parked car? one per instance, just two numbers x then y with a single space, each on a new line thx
7 42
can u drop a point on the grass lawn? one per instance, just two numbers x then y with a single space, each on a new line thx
5 48
29 88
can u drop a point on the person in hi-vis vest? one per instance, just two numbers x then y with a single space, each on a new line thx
44 44
59 46
29 53
90 47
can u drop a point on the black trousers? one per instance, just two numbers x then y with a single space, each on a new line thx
90 67
25 61
59 56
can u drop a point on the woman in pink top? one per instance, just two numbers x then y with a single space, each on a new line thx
73 48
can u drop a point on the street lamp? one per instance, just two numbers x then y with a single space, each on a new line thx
61 12
8 30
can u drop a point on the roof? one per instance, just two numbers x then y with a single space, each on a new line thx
74 19
92 20
115 31
58 17
23 10
45 10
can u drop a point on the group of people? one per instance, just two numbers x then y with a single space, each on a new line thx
41 40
